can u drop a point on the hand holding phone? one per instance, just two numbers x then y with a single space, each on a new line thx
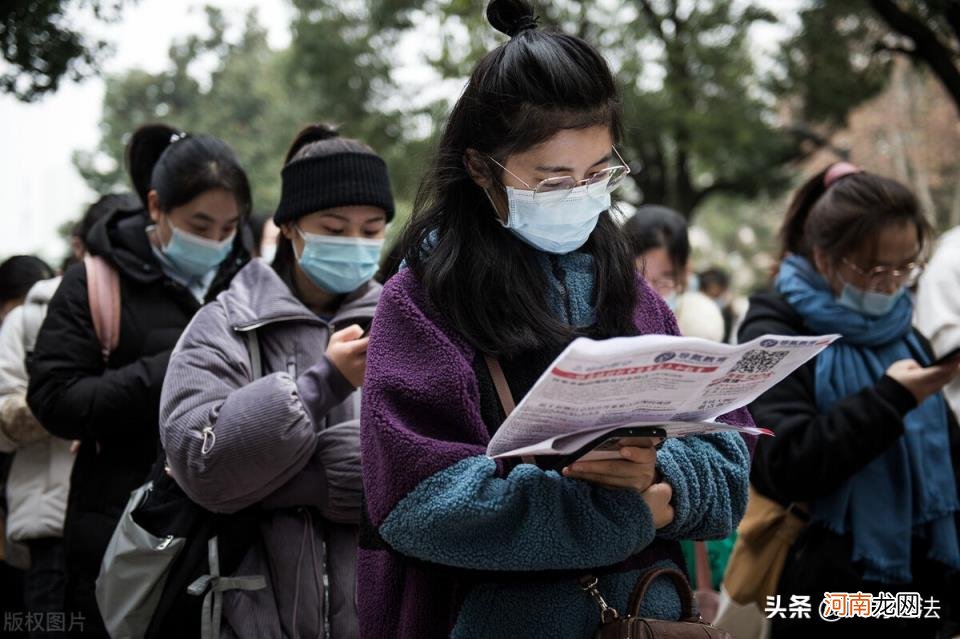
923 381
948 357
347 351
607 446
617 460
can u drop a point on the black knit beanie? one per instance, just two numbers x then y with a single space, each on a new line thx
341 179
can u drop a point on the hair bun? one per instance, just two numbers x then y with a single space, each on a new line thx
309 134
511 17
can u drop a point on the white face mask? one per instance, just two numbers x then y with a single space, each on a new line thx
556 222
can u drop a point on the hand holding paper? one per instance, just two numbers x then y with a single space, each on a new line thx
678 384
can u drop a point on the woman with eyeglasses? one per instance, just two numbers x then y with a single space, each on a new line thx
511 253
864 440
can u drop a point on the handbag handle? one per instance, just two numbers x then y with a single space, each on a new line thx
679 581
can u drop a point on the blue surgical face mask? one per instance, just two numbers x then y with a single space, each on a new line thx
869 303
339 264
193 255
559 221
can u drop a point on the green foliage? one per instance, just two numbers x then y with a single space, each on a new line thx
831 64
698 118
249 99
701 118
37 41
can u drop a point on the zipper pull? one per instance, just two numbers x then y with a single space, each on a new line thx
208 436
166 542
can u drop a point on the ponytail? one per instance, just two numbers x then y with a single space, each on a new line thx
792 238
179 167
308 135
143 152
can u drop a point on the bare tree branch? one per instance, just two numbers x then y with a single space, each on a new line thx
928 47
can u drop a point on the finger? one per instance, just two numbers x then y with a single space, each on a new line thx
948 368
936 376
619 467
660 490
347 334
357 346
668 516
642 455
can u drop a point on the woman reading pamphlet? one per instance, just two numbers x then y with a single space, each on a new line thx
512 252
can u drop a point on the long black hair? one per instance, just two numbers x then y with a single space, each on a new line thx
179 167
489 284
838 216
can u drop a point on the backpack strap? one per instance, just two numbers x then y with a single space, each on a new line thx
500 383
212 586
256 354
103 293
503 392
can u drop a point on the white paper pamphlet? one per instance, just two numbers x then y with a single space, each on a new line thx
679 384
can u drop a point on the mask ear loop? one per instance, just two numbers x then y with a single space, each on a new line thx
155 229
170 228
498 182
496 211
303 237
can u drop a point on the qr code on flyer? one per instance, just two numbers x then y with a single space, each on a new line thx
757 361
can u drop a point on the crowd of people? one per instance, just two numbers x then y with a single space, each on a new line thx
202 442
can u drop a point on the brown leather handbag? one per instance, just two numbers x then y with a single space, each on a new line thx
633 626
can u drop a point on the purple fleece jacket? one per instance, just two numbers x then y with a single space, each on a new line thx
450 517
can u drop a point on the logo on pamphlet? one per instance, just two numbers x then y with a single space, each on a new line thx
768 343
664 357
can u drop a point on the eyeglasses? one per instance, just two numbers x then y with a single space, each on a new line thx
664 285
877 276
612 175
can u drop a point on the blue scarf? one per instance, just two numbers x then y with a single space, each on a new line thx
908 490
578 282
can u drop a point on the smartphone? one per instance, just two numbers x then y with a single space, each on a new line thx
608 442
950 356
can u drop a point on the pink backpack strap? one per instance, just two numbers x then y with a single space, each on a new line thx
103 293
